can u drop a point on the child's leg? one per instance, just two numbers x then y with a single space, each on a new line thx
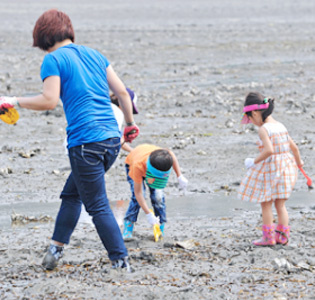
283 217
268 238
158 204
267 215
132 211
283 229
134 207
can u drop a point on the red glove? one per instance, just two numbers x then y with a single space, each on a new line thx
130 133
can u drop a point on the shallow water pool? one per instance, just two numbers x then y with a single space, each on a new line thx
178 207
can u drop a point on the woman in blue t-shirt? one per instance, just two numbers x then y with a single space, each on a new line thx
81 77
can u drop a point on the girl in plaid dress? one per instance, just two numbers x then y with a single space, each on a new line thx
271 176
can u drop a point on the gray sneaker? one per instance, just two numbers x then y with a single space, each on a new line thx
122 263
54 253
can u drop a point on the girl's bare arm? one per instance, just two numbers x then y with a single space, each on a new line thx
295 150
268 148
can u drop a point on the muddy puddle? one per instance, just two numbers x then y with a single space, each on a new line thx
181 207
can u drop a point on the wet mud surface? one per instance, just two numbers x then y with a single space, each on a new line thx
191 65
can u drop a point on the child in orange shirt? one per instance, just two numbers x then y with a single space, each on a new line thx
153 165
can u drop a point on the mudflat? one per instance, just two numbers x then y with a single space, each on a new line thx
191 65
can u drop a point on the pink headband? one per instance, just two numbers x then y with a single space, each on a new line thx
245 118
255 107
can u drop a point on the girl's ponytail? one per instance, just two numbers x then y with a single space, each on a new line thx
269 110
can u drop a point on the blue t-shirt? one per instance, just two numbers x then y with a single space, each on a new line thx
84 93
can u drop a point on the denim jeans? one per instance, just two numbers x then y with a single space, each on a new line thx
157 200
86 184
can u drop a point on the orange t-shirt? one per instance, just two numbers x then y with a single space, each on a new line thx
137 161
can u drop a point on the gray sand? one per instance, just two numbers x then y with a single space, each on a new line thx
191 64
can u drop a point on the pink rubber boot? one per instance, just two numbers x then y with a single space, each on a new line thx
268 238
282 234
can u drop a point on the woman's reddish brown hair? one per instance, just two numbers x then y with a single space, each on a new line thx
52 26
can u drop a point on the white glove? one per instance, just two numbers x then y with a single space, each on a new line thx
249 162
182 182
152 219
8 100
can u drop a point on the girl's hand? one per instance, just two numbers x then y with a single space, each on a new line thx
249 162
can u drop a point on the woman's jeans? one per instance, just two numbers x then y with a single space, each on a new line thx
157 200
86 184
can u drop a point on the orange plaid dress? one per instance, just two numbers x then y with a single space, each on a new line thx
275 177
